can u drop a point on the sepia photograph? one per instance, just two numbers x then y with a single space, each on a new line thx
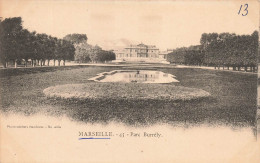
129 81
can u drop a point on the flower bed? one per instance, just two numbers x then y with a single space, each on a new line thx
124 91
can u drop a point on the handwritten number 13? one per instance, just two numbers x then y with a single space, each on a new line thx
245 10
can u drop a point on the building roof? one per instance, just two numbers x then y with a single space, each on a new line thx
142 46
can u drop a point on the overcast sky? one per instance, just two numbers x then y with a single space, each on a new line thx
167 24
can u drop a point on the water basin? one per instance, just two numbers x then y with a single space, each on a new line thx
135 76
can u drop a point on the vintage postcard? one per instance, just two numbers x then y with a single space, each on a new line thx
129 81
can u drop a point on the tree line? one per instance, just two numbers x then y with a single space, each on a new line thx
18 44
220 50
88 53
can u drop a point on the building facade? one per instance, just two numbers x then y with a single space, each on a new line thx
140 51
163 54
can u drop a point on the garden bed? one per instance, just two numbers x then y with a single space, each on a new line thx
125 91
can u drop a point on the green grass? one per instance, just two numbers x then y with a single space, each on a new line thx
115 91
232 100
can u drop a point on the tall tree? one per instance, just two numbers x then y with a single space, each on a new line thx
51 45
10 31
76 38
68 51
82 53
26 45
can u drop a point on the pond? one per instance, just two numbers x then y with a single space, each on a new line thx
135 76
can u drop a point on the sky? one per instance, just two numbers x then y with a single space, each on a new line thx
116 24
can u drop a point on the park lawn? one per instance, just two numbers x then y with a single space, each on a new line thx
232 101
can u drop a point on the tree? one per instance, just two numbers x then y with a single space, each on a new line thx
68 51
177 56
82 53
76 38
58 51
33 47
94 53
18 44
231 50
42 48
3 57
50 52
10 31
254 49
26 45
64 51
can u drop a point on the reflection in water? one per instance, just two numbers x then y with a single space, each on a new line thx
138 76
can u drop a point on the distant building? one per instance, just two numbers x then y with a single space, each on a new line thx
140 52
119 53
163 54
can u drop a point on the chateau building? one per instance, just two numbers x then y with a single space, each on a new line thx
141 52
138 51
